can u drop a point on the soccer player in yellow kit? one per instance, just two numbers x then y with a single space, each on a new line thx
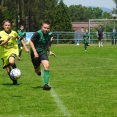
9 48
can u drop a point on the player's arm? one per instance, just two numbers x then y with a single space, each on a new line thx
31 43
50 52
3 42
103 33
97 33
51 37
21 39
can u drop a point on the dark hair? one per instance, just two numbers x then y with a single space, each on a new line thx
21 25
46 22
6 21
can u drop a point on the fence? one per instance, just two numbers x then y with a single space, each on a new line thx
77 37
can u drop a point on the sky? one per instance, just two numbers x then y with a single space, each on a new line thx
96 3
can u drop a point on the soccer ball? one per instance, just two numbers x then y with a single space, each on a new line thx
15 74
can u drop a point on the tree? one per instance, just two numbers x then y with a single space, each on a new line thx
62 20
115 9
37 11
8 10
29 13
79 13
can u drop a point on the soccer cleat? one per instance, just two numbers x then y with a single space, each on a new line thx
14 82
46 87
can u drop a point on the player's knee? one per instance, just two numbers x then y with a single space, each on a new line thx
11 60
46 67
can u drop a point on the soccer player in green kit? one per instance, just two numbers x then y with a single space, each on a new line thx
86 39
22 34
39 44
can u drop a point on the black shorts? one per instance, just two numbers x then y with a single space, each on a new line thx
37 61
100 37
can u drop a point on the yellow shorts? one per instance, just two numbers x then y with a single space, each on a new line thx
5 60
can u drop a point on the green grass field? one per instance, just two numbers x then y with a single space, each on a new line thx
84 84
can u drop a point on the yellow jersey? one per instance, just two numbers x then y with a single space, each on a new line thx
11 46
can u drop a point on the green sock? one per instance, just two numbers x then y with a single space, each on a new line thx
46 76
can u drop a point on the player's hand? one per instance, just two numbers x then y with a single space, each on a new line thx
36 55
27 50
10 37
51 53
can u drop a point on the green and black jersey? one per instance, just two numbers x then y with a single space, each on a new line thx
40 41
86 38
22 34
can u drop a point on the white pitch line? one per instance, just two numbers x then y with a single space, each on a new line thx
58 101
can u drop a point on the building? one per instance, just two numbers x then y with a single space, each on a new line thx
81 26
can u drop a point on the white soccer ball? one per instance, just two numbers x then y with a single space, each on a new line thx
15 73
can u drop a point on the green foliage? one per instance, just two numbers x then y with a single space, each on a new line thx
80 13
115 9
33 13
62 21
9 11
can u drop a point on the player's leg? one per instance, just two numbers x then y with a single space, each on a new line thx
12 63
99 41
36 63
20 51
38 70
46 74
6 65
85 46
45 63
8 69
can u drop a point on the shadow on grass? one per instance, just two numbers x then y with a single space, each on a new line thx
10 84
37 87
17 96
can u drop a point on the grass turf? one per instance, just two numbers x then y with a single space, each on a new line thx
84 84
